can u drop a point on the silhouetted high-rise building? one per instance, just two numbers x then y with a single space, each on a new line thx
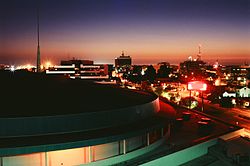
192 67
123 60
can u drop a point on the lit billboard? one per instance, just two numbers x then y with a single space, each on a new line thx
197 85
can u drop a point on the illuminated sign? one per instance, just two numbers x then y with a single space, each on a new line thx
197 85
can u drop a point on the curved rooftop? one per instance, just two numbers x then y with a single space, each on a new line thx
28 94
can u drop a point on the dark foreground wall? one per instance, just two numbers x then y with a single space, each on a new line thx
22 126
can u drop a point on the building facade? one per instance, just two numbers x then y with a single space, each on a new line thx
123 60
82 69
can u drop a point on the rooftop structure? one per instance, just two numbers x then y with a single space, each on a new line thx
77 63
234 151
82 69
75 122
123 60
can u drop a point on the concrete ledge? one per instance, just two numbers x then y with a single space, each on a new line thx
191 153
183 156
233 134
121 159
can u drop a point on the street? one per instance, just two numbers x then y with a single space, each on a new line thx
233 116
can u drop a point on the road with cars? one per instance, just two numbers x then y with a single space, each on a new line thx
235 116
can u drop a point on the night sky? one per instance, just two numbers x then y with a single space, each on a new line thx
148 30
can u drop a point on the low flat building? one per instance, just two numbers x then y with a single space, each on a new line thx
244 92
82 69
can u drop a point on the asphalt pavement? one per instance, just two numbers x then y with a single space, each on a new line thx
235 116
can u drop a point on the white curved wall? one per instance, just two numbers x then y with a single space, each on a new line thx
91 155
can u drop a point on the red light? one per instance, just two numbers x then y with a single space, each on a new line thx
197 85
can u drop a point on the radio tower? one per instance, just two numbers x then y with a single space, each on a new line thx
199 53
38 58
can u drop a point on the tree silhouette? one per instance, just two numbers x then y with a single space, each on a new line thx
135 75
164 71
150 74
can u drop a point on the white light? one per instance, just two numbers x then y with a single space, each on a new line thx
143 72
234 101
72 66
164 85
12 68
95 77
92 66
190 58
60 72
131 87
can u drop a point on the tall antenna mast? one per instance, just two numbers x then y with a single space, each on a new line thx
199 53
199 49
38 60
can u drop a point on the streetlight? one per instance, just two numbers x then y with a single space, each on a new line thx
12 68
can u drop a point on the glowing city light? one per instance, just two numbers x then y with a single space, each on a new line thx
12 68
26 67
47 64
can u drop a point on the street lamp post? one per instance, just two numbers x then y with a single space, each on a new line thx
202 102
190 101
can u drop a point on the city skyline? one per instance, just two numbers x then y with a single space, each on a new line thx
149 31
